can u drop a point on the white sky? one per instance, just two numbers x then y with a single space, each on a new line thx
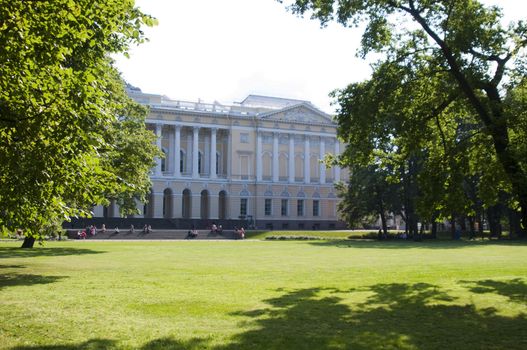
226 50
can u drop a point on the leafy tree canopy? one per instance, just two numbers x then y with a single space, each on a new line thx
69 135
448 89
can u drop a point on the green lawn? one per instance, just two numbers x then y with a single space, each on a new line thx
264 295
260 234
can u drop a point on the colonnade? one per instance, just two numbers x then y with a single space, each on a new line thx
192 148
291 158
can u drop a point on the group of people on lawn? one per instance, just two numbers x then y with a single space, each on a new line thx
239 233
92 230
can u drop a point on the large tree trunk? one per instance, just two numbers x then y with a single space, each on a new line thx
514 224
453 227
434 229
472 223
494 218
522 233
480 218
383 223
29 241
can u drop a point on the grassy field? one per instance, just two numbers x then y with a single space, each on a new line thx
324 234
264 295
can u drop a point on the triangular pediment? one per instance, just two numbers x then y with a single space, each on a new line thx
302 113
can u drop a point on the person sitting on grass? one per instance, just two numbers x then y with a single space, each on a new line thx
192 233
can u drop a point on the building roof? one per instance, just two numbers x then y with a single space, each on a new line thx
259 101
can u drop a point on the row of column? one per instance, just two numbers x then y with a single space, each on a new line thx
291 164
195 151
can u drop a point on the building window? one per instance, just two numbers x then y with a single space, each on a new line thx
200 162
182 161
316 207
243 206
164 161
284 207
218 162
244 167
300 207
244 138
268 206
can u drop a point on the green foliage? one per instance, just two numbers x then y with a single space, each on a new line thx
446 92
66 124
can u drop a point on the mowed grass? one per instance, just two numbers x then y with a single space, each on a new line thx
264 295
336 234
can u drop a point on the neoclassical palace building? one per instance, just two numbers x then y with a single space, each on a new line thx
257 161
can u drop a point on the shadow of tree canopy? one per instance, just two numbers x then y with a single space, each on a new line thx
14 279
409 244
390 316
515 289
393 316
16 252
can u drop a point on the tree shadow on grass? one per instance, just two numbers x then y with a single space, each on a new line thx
387 316
16 252
409 244
515 289
396 316
393 316
14 279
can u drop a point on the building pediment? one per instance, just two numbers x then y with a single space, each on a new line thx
301 113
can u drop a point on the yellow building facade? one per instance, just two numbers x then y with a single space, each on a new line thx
256 161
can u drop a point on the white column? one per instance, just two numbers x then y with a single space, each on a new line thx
158 198
205 161
176 204
213 207
291 159
188 161
98 211
307 167
177 152
195 152
213 153
229 152
322 168
159 135
258 156
169 166
275 157
337 153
